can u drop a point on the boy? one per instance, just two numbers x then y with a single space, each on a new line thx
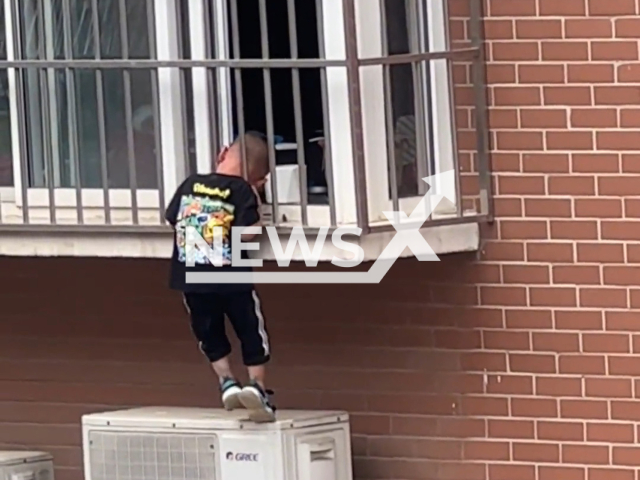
225 200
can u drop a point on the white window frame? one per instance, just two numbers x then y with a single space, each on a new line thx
369 22
170 101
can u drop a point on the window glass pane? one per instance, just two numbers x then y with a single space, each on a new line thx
6 165
62 108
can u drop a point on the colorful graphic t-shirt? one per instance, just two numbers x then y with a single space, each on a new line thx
209 204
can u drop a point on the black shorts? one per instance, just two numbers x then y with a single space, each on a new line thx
208 311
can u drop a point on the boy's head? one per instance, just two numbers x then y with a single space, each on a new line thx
257 154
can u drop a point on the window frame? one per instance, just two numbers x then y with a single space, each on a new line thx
170 100
433 32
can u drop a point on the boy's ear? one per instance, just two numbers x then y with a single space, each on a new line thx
222 156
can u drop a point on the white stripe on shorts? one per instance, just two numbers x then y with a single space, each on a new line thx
261 328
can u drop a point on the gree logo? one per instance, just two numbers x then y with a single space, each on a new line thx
242 457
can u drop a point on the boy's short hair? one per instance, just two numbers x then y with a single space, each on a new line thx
257 154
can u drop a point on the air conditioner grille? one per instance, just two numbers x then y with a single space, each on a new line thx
151 456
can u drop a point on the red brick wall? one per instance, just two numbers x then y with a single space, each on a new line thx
518 365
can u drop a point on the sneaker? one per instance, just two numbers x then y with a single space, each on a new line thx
231 389
257 401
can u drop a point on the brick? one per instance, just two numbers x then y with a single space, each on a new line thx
567 8
590 73
501 74
569 140
505 162
534 407
532 363
546 472
619 275
505 340
626 456
519 140
611 474
503 118
565 51
556 342
618 186
576 275
510 384
620 230
516 96
571 185
632 208
612 9
627 27
594 117
529 319
543 118
483 450
600 253
510 471
625 410
522 8
614 50
545 163
496 29
570 95
584 409
610 433
588 28
630 118
521 230
538 29
624 365
574 230
552 297
485 406
560 431
606 343
622 321
526 274
578 320
582 364
552 252
516 51
559 386
621 95
598 208
548 208
507 207
512 429
603 297
585 454
595 162
608 388
503 251
628 72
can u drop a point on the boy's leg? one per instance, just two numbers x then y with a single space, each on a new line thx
245 313
207 324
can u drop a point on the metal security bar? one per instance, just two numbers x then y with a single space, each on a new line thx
44 71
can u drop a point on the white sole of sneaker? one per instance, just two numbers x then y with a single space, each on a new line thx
252 401
231 398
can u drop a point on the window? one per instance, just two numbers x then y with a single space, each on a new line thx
139 131
6 161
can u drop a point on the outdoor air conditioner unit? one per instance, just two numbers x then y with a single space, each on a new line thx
24 465
211 444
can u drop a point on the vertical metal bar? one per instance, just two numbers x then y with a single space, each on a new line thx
268 102
102 129
423 32
22 129
156 108
297 110
46 119
328 158
388 107
355 110
128 113
482 134
211 81
72 119
235 40
183 86
418 98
